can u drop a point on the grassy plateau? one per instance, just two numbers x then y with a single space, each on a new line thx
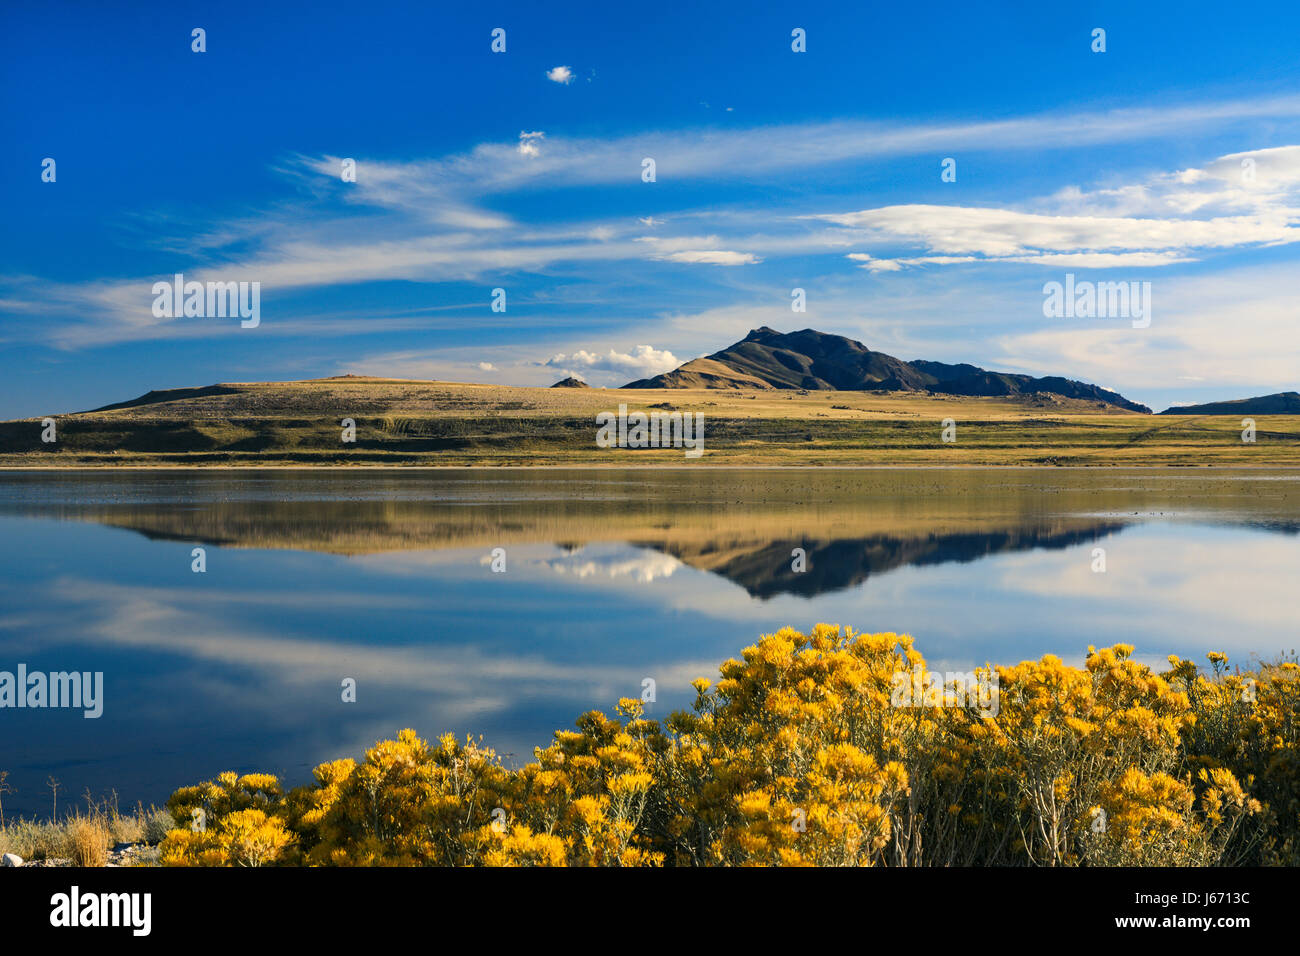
401 422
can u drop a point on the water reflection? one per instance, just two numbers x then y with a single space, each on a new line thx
612 577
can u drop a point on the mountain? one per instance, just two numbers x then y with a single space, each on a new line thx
570 382
840 562
1279 403
815 360
807 359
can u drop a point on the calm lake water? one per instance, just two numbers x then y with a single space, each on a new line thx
611 577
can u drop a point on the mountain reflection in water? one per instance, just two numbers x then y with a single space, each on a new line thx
613 576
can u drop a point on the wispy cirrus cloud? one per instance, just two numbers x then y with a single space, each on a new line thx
449 219
706 153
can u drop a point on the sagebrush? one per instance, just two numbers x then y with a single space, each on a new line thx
796 757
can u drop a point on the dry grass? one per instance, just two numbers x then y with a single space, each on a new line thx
85 836
33 840
443 423
87 840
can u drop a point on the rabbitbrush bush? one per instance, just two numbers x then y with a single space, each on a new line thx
796 757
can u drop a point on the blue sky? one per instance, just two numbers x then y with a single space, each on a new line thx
774 170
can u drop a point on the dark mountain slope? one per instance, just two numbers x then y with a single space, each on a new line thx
1279 403
813 360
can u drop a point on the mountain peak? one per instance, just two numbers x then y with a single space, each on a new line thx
812 360
571 382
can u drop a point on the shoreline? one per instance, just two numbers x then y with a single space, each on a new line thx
5 468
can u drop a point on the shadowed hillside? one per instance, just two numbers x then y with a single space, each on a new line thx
1280 403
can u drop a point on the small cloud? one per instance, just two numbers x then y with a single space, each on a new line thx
876 265
650 221
530 143
560 74
714 257
1080 260
643 569
486 367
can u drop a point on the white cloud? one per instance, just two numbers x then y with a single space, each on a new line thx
643 361
560 74
643 568
1009 234
486 367
1105 260
1241 199
715 257
1077 260
530 143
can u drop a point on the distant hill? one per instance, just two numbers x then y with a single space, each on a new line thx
1279 403
570 382
815 360
405 422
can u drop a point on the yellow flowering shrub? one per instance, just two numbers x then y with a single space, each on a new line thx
1248 725
229 823
804 753
771 767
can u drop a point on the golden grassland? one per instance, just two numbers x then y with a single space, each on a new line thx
800 755
438 423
